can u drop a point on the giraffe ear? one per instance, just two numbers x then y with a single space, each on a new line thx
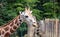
31 12
20 12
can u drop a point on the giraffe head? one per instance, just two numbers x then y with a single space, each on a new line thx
28 17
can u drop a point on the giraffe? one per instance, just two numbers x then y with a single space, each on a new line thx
26 16
7 29
30 20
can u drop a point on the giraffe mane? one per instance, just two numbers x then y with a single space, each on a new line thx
9 22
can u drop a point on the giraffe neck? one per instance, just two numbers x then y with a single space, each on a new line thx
10 27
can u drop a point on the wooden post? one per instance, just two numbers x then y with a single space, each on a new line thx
57 27
46 29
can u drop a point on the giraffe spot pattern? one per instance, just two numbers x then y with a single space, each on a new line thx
11 30
14 27
11 24
6 28
7 34
0 32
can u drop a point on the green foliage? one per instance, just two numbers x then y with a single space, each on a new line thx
36 13
22 30
51 9
30 1
23 27
2 22
19 9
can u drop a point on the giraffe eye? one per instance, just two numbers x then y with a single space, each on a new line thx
26 16
34 22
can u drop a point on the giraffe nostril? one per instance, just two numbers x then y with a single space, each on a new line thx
20 20
34 26
26 16
38 30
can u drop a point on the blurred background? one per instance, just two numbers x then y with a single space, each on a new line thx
41 9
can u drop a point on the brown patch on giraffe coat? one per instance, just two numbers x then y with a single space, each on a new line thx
7 34
11 24
14 27
6 28
11 30
0 32
15 21
17 24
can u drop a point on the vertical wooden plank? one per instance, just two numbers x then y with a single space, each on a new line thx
56 27
59 28
49 28
46 23
45 27
53 21
53 29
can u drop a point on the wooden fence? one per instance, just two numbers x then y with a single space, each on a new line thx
51 27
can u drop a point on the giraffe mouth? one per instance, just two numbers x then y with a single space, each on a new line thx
35 25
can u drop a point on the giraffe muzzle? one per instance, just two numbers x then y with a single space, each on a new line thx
35 25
